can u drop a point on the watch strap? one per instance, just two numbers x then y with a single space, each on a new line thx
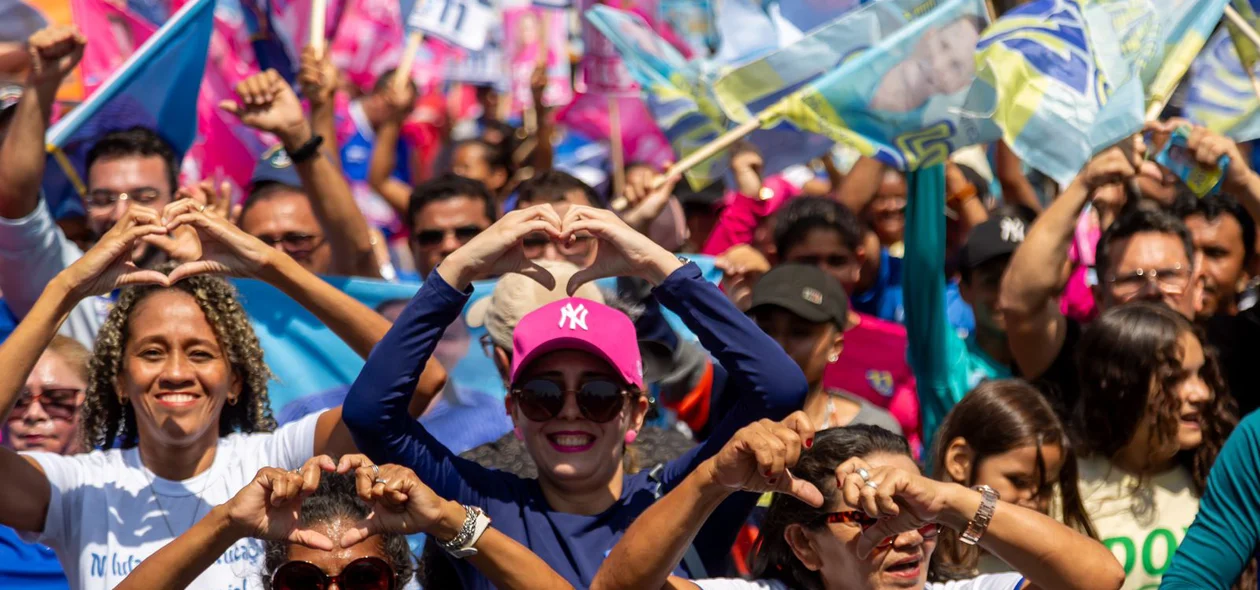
308 150
984 514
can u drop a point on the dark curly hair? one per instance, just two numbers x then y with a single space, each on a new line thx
1129 364
336 501
773 558
106 422
801 215
996 417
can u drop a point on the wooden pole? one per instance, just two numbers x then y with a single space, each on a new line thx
319 11
711 149
618 154
1250 33
403 73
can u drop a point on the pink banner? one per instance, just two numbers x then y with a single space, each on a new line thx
641 139
601 70
115 33
369 40
523 41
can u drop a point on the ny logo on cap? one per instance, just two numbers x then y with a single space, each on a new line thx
575 315
811 295
1012 229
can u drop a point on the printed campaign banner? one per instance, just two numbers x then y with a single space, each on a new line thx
528 32
1221 96
602 71
114 33
464 23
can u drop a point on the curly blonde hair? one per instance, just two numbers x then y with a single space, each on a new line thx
104 421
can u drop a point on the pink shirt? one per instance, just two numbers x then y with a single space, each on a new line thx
873 366
1077 301
742 213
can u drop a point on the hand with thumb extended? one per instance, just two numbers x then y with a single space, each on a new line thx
760 456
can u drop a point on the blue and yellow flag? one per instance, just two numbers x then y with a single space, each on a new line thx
1248 53
156 88
903 100
1064 77
1184 28
1221 96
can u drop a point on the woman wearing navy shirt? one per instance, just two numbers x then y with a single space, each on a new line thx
576 394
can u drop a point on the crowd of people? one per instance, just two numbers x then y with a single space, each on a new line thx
951 378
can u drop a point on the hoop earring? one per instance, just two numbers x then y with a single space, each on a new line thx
232 400
122 400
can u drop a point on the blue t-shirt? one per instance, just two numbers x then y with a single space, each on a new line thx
765 382
8 323
28 566
884 299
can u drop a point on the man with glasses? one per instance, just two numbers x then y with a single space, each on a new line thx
278 212
445 213
1145 254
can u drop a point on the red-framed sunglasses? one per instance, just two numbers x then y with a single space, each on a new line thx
364 573
866 521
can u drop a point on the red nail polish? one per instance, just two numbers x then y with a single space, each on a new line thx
809 443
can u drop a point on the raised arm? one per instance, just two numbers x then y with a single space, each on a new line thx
375 407
318 81
861 184
56 51
757 458
1030 289
1015 185
107 266
1046 552
269 104
229 250
385 151
543 152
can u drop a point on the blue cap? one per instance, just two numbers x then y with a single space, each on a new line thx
275 166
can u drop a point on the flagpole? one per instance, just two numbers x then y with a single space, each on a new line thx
618 154
1250 33
319 11
403 73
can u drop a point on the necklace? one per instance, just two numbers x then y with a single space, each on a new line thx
161 509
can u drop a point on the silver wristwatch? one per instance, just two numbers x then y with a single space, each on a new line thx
980 522
475 523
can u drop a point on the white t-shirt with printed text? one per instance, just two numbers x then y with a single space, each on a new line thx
985 582
107 512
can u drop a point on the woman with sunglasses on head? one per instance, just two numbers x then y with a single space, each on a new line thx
1004 434
176 399
45 418
576 390
851 512
1152 414
342 523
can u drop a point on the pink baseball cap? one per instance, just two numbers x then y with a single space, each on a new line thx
579 324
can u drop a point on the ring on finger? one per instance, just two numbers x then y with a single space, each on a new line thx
872 485
864 474
379 481
376 472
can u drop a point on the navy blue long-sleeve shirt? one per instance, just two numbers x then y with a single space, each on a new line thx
764 380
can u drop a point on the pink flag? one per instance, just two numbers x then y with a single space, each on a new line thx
115 33
641 140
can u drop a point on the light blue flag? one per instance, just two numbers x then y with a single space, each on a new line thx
796 18
902 101
156 88
745 31
1061 80
1220 94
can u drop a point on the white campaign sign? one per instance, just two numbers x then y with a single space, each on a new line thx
465 23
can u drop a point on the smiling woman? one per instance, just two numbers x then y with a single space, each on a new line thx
176 401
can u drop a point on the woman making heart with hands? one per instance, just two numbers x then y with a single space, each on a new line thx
177 400
331 521
576 393
852 512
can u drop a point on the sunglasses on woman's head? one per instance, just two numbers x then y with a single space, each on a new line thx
364 573
599 400
866 521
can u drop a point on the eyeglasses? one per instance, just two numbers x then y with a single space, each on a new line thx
104 198
430 238
599 400
294 243
364 573
866 521
59 404
1170 281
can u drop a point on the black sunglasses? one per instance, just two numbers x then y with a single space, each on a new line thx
431 237
599 400
364 573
